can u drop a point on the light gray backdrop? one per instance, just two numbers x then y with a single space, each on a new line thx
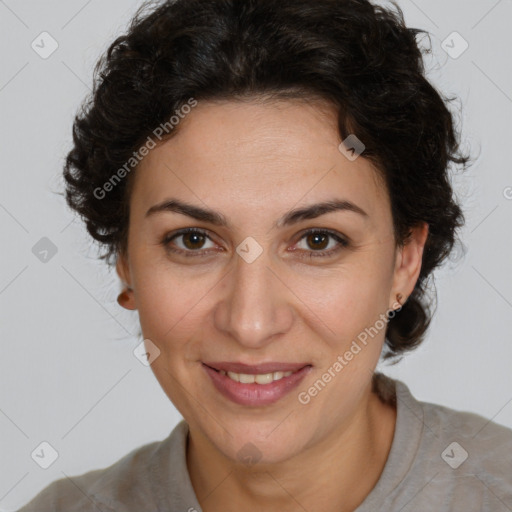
68 374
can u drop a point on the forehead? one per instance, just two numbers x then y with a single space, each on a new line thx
264 156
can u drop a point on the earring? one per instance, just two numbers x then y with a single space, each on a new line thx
399 297
124 297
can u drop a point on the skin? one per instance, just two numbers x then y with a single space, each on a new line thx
254 161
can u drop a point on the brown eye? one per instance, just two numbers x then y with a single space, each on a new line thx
188 242
193 243
318 240
193 240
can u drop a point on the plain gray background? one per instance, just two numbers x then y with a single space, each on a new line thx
68 373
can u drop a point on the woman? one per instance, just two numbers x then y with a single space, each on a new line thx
270 179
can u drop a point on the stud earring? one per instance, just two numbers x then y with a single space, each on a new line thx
124 296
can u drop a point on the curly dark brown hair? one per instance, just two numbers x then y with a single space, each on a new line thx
359 57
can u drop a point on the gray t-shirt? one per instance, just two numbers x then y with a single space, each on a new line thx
440 460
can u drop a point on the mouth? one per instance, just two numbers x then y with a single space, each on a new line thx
256 385
261 374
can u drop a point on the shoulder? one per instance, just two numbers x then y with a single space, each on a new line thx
477 445
484 440
461 457
127 481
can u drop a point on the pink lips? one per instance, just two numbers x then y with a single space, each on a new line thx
255 394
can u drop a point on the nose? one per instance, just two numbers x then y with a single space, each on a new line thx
256 304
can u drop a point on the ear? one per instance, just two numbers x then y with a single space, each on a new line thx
408 264
123 269
126 298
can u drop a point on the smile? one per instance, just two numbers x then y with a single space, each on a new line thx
261 378
255 385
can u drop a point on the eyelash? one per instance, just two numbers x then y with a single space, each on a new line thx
311 254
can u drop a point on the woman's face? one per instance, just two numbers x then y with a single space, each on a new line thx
250 286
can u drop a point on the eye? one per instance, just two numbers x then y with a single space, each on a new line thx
193 241
318 239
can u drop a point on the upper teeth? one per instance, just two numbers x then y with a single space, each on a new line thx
265 378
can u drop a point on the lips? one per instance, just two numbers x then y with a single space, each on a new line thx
240 383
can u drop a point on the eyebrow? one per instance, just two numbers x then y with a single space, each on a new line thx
292 217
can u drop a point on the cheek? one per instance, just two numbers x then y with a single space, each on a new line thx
172 302
171 315
350 299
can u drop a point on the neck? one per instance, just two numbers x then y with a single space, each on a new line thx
335 474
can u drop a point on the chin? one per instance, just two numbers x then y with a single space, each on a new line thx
256 443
